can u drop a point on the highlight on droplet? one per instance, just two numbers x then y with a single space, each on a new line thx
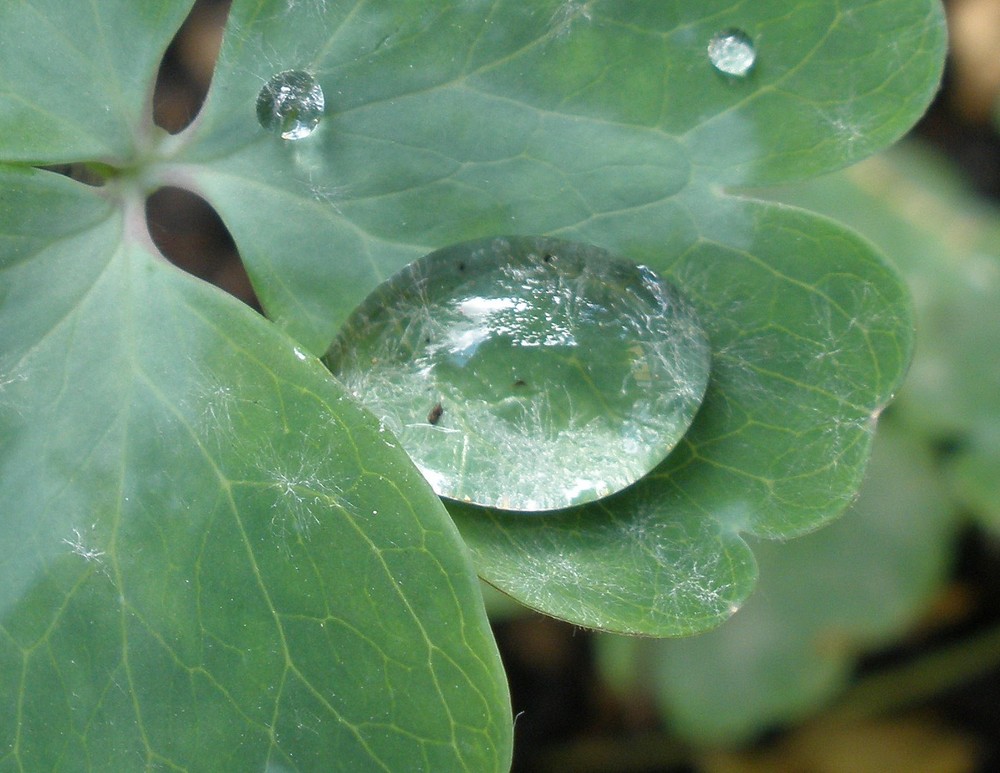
732 52
291 104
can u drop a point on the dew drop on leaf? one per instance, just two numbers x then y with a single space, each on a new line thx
527 373
291 104
732 52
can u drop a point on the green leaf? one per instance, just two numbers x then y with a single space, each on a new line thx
486 355
944 239
799 377
218 561
822 600
605 123
75 78
455 121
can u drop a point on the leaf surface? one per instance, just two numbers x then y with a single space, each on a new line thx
944 239
75 81
222 562
457 121
605 123
778 447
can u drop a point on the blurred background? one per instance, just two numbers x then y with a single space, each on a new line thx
872 645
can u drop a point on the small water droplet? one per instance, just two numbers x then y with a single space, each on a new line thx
291 104
299 353
732 52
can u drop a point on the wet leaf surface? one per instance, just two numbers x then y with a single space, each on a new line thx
608 124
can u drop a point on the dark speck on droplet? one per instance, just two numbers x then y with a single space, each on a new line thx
520 383
461 267
435 415
548 257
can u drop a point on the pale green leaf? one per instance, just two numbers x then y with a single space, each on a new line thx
76 78
221 563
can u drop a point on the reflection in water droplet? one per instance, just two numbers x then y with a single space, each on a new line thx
732 52
291 104
527 373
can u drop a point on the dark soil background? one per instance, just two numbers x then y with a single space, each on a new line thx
567 720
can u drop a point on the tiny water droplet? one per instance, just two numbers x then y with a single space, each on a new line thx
732 52
299 353
291 104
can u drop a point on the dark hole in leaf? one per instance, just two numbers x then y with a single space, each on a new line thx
82 173
185 73
193 237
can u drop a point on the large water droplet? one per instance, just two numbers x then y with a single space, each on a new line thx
291 104
527 373
732 52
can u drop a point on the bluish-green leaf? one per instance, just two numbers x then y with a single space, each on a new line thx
605 123
76 79
454 121
219 562
944 240
807 351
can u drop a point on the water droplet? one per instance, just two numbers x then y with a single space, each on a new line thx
291 104
299 353
527 373
732 52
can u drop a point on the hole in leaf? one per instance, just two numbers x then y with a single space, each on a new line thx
193 237
82 173
185 74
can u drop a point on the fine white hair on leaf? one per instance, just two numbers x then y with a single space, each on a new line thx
10 377
78 547
566 15
299 483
